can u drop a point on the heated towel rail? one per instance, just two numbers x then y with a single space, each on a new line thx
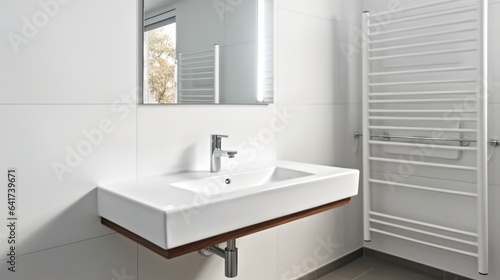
198 76
425 87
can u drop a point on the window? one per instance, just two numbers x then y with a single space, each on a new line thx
160 59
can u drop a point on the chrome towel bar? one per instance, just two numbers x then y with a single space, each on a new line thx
464 142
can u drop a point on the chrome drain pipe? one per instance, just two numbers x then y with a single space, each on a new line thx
229 254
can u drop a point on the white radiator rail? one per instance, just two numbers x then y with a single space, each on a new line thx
409 186
416 7
429 34
198 77
431 99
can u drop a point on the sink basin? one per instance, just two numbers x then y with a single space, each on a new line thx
178 209
227 183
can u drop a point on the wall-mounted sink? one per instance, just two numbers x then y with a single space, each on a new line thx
178 209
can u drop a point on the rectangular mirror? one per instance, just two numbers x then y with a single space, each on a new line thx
208 52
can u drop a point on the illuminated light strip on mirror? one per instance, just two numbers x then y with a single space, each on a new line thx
261 49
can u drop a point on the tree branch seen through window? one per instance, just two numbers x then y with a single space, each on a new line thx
161 67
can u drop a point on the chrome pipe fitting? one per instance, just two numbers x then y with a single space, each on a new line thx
229 254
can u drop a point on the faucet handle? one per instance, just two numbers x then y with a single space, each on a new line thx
218 136
217 141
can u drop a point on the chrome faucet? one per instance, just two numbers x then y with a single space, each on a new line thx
216 153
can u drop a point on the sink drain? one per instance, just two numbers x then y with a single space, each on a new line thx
227 181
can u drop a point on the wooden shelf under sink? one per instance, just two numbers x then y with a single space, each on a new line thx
211 241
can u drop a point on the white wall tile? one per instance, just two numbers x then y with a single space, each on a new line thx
76 56
318 240
494 52
330 71
173 138
328 131
344 11
494 152
59 209
308 62
108 257
256 260
350 65
494 230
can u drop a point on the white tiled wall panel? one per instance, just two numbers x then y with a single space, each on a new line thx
337 10
309 76
329 70
318 240
67 52
494 52
324 124
177 138
61 153
108 257
321 90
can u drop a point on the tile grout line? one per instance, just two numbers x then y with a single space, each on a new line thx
67 244
362 274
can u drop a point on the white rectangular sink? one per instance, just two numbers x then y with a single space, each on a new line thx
177 209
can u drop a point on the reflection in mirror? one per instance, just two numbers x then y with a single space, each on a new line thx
208 52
